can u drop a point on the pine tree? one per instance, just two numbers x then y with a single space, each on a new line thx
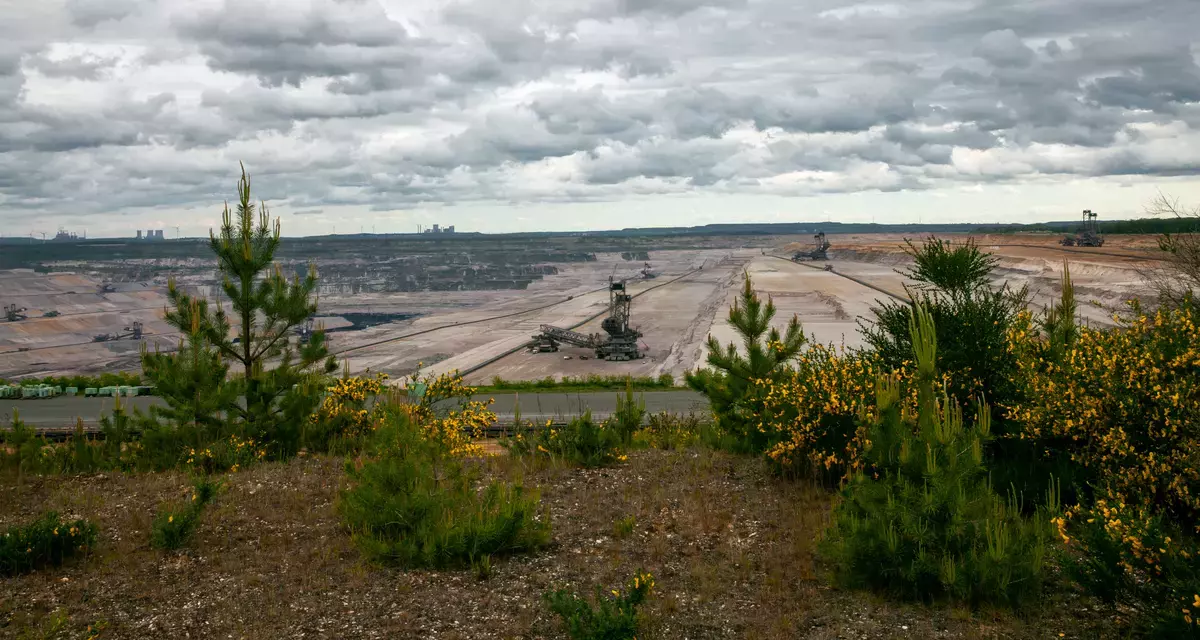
193 380
1060 321
739 379
922 521
278 376
972 319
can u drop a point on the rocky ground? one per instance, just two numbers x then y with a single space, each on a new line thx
731 547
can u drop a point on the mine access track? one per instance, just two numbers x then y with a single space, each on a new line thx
529 343
850 278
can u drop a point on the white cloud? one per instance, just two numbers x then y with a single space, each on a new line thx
576 112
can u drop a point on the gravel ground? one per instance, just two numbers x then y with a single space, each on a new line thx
730 546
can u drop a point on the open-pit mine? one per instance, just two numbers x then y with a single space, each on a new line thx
481 304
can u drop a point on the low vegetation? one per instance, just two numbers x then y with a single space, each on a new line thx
175 523
666 430
45 542
976 468
591 382
926 523
80 382
609 616
582 442
414 502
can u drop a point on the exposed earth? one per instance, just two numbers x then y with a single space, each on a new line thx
479 331
731 547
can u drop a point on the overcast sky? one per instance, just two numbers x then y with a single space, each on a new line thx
500 115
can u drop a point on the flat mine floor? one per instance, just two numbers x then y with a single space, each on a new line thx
475 331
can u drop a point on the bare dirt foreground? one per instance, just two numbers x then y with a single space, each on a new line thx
731 547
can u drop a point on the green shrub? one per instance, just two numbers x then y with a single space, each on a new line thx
415 505
174 524
81 382
590 382
624 527
627 419
614 616
47 541
972 319
21 447
665 430
923 522
581 441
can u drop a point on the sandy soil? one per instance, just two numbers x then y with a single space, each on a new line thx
684 311
676 319
732 549
62 344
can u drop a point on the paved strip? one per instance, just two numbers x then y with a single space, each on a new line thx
62 412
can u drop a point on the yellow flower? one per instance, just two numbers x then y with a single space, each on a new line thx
170 519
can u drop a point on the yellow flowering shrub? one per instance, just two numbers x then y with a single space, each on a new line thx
1127 554
1123 405
47 541
445 415
817 411
613 614
224 455
1120 410
343 412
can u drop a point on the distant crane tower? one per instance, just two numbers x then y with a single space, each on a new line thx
1088 236
12 313
621 343
818 252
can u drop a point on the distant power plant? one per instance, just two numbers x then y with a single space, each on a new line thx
66 236
435 229
151 234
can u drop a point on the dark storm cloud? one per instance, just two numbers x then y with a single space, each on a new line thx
386 105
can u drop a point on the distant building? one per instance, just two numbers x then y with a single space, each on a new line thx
438 229
139 235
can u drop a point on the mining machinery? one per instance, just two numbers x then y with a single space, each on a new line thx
303 331
648 273
619 340
132 332
12 313
818 252
1089 236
